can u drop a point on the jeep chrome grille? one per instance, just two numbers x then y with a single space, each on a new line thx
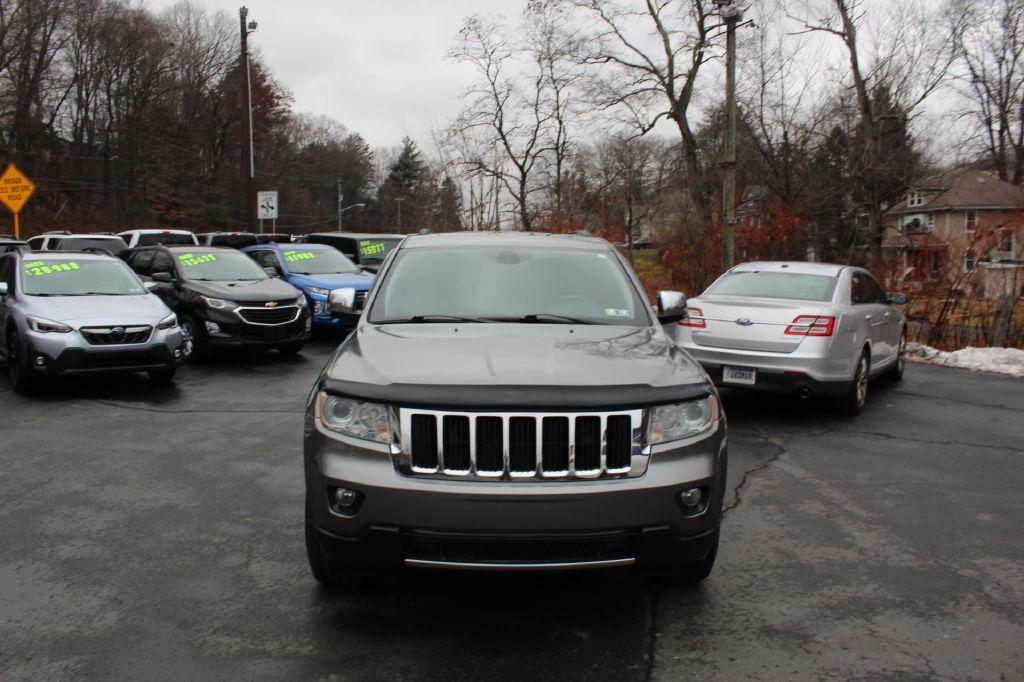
520 445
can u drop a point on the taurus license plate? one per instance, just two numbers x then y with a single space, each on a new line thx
739 375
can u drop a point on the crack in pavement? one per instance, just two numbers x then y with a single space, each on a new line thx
139 408
958 401
889 436
761 434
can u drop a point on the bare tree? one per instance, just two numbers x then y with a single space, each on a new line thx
911 55
992 51
510 113
652 80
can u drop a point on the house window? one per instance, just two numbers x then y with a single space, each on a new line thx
971 220
1006 245
915 199
970 260
931 222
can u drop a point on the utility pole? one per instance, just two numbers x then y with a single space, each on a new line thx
399 200
731 15
340 199
249 164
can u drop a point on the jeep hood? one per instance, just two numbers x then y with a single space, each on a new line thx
412 362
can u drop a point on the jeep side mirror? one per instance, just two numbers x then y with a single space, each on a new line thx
342 301
897 299
163 277
671 306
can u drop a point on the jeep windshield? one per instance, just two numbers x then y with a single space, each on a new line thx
78 277
529 285
218 266
318 262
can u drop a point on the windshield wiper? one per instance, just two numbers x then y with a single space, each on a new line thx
421 319
552 318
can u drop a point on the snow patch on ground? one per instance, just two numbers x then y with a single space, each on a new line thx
996 360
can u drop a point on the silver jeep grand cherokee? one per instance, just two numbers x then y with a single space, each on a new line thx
71 313
511 402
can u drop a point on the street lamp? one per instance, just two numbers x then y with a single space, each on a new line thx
342 210
731 14
250 192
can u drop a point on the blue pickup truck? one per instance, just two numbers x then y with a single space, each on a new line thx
315 270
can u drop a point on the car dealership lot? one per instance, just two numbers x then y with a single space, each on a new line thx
157 534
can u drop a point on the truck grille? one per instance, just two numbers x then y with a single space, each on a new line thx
521 445
116 336
282 315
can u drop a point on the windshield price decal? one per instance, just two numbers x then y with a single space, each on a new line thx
39 267
371 248
188 259
292 256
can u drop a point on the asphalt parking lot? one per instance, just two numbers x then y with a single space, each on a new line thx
158 535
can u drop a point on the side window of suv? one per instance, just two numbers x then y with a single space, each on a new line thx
141 262
162 262
36 243
7 272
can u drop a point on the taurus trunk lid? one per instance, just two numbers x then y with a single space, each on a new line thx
745 323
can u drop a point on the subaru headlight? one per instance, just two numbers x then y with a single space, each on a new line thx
44 326
368 421
301 301
169 322
679 421
318 291
218 303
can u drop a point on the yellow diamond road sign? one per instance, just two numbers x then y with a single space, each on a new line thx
15 189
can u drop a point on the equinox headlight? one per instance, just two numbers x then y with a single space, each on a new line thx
355 418
218 303
44 326
169 322
681 420
318 291
301 301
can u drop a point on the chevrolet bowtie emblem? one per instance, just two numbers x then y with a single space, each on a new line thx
271 304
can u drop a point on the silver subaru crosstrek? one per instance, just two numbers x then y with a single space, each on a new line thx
805 328
71 313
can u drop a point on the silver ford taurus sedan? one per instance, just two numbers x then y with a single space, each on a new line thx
70 313
806 328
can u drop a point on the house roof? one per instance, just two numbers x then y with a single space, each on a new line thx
960 189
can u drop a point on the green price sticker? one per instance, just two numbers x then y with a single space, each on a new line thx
188 259
38 268
371 248
292 256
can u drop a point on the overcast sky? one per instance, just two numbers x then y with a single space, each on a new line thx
377 66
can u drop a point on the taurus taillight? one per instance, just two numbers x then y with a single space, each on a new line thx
694 318
812 325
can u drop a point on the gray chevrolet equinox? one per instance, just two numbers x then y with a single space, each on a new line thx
509 401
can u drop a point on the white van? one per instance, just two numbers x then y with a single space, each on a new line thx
135 238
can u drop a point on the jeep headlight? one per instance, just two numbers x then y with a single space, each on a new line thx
679 421
368 421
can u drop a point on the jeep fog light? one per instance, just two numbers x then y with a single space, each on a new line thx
40 360
344 497
212 328
691 497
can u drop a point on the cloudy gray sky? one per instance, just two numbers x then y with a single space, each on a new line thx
377 66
